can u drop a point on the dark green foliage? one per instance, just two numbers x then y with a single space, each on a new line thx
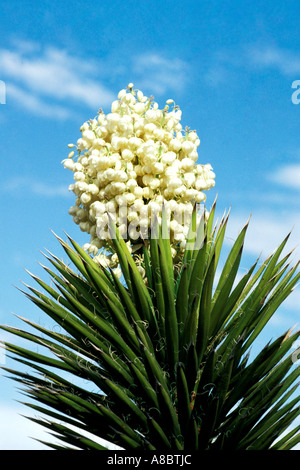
169 356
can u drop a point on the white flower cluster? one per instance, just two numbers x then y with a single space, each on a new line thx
129 163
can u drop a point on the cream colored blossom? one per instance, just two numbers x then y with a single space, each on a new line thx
130 161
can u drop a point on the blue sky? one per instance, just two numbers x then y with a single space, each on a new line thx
229 68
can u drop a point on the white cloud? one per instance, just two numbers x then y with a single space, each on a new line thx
266 231
21 184
226 64
51 82
20 433
293 302
220 67
34 74
35 104
17 432
43 189
160 73
285 61
288 175
264 234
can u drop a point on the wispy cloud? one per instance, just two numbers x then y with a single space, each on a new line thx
17 432
35 104
285 61
227 64
51 82
288 176
160 73
20 184
266 231
35 74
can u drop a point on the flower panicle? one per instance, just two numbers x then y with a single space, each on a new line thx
129 163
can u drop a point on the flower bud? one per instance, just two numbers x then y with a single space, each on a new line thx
68 164
121 94
85 198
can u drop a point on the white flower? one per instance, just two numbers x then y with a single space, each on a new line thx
127 155
69 164
121 94
79 176
136 157
115 106
85 198
131 184
187 147
88 135
187 164
175 144
168 158
141 270
93 189
117 272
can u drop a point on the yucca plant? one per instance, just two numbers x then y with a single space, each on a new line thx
146 319
168 354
